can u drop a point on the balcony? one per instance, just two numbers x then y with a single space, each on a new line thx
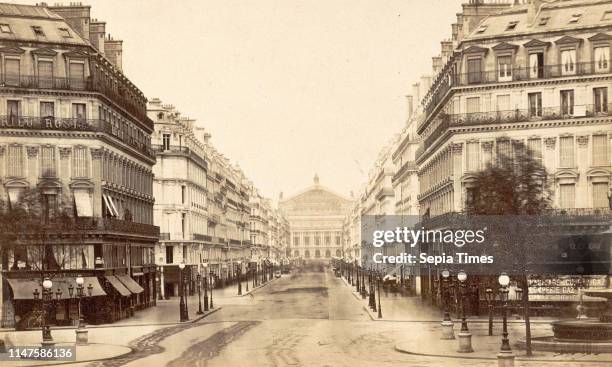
521 74
97 224
116 95
511 116
177 149
72 124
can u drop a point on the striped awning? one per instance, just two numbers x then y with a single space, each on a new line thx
119 287
130 283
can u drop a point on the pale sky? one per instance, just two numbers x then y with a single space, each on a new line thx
287 88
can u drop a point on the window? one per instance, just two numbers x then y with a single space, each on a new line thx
575 18
535 147
15 161
183 224
472 157
5 28
169 254
337 240
13 110
601 57
566 151
12 71
306 240
535 104
504 149
567 102
472 104
296 241
512 25
503 102
600 99
45 74
47 157
64 32
543 21
504 66
567 196
77 75
38 31
78 111
600 150
568 62
474 71
47 110
600 194
49 206
536 65
166 141
183 194
482 28
80 167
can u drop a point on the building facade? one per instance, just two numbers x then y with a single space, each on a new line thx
316 216
73 126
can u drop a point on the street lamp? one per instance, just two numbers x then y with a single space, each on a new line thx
490 297
211 290
505 358
448 332
81 332
363 290
378 279
239 277
465 337
47 296
199 281
182 306
205 266
371 287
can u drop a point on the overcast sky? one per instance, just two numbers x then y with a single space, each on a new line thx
287 88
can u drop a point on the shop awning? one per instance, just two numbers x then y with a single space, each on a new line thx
83 203
118 286
24 288
130 283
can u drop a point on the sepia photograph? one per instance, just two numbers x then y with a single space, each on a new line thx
325 183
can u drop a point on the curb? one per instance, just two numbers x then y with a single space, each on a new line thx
256 288
516 358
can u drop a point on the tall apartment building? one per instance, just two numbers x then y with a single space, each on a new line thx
73 126
202 203
536 73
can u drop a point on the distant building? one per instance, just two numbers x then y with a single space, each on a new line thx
316 216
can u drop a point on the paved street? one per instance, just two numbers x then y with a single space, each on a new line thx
302 319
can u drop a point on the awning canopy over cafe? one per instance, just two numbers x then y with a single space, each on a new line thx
24 288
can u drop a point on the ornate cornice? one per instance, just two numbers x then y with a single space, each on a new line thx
44 51
536 43
600 37
568 40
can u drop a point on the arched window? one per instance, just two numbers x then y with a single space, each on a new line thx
296 253
338 253
307 254
318 254
327 253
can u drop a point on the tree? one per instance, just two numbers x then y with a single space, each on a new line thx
516 187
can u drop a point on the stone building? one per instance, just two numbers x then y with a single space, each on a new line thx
73 126
316 216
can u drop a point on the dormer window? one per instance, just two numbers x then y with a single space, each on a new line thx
5 28
575 18
482 28
543 21
512 25
38 30
64 32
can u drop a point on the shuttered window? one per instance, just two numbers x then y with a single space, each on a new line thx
47 164
504 148
12 71
472 156
15 161
77 75
80 162
566 150
45 74
600 194
473 104
535 148
474 71
600 150
567 196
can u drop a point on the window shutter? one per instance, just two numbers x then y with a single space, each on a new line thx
11 71
45 74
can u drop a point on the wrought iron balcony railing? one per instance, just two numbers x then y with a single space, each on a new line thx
115 94
72 124
445 82
511 116
79 224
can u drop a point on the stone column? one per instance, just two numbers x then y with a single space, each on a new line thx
96 171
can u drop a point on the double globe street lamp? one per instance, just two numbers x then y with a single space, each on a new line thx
47 297
448 332
183 313
81 332
465 337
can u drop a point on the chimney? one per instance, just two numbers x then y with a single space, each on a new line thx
410 106
476 10
415 92
436 64
76 15
446 50
113 51
97 32
425 84
532 10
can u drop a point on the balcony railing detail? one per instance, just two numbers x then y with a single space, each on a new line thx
71 124
68 225
511 116
117 95
518 74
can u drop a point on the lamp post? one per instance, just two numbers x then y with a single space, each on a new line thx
378 279
182 314
81 332
247 273
489 297
199 281
211 290
239 277
371 288
205 266
448 332
519 298
357 285
505 358
363 289
47 296
465 337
